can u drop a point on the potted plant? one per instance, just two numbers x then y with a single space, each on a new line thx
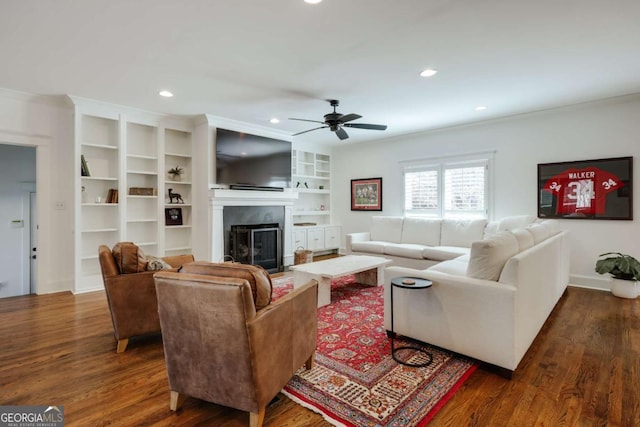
625 271
176 173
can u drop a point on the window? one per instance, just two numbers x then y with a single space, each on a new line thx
447 189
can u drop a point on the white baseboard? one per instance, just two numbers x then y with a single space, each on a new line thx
590 282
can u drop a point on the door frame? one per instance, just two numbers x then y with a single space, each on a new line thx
43 197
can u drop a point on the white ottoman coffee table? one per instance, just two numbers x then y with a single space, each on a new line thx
369 270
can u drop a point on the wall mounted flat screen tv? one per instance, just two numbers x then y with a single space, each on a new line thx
251 162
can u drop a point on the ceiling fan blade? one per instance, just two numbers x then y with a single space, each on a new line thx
305 120
365 126
305 131
342 134
349 117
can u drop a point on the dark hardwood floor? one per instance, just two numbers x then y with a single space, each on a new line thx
582 370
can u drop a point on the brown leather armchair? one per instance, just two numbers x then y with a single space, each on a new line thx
218 348
132 297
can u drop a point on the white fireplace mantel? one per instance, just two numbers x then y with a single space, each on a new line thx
219 198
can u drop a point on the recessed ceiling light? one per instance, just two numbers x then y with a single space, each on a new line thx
480 108
274 120
429 72
312 1
165 93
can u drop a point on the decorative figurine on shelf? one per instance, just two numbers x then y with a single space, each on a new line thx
176 173
176 196
305 185
298 184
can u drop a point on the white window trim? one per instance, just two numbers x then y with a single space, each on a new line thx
440 163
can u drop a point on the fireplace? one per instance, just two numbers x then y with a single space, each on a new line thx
249 209
258 244
253 235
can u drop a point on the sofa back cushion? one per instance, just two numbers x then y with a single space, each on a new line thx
524 238
421 231
458 232
258 278
488 256
386 228
510 223
543 230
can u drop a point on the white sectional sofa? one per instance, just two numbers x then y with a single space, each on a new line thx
489 302
416 242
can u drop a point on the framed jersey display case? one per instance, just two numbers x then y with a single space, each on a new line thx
586 189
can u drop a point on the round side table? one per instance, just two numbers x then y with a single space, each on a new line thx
408 283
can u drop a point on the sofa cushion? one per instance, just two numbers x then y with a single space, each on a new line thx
129 258
443 253
518 221
406 250
524 238
370 247
458 232
386 228
258 278
491 228
456 267
422 231
488 256
538 231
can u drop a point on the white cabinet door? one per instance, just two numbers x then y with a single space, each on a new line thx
299 239
315 238
332 237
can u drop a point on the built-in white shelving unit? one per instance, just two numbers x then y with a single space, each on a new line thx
311 179
129 151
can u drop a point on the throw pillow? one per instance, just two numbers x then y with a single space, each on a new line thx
488 256
155 264
258 278
129 258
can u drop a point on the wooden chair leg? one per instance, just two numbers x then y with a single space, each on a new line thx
256 419
122 345
310 361
176 400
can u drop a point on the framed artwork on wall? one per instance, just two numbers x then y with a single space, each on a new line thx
366 194
586 189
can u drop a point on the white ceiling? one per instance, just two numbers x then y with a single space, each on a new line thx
250 60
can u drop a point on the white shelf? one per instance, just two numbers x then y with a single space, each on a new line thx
186 156
141 156
99 178
310 213
177 226
143 172
100 230
179 248
177 182
178 205
100 204
312 191
130 221
101 146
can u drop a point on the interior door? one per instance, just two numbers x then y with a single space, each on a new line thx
33 238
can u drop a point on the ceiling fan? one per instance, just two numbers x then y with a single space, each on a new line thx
336 122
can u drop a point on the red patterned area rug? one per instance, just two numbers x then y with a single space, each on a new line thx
355 382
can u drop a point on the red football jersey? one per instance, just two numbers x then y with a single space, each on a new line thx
582 191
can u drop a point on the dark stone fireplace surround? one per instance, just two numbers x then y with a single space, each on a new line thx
253 217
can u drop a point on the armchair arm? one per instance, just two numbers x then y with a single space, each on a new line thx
283 337
133 304
176 261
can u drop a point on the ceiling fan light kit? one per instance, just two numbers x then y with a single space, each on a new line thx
336 122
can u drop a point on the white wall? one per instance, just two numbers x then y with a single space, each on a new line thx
45 123
17 168
603 129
